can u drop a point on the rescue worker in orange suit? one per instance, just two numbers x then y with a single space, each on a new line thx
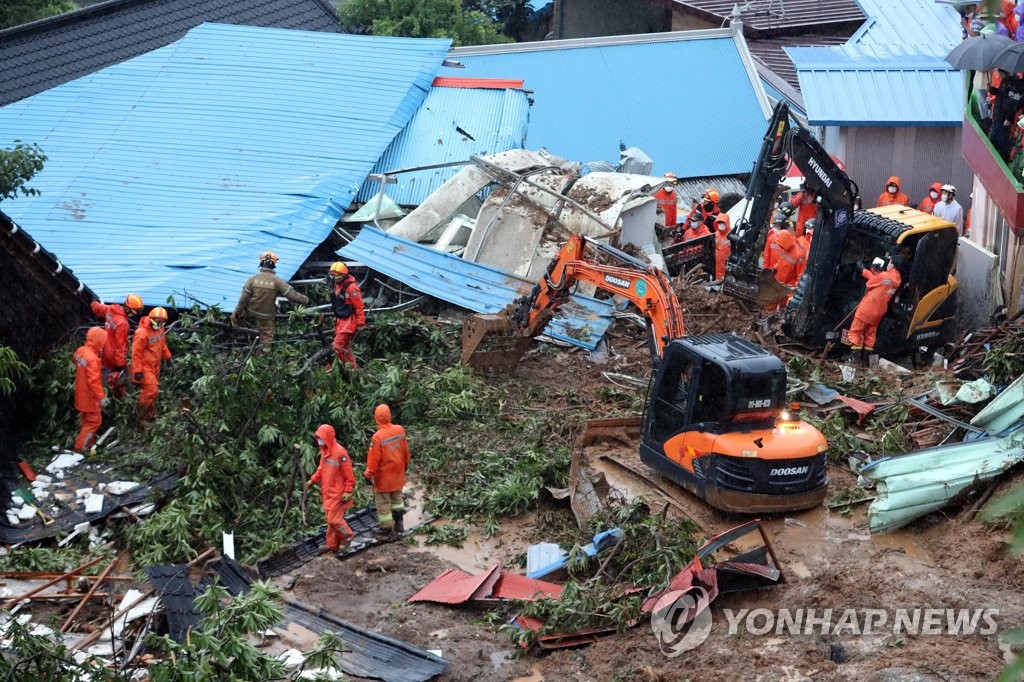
90 396
149 350
349 312
806 204
707 208
386 462
666 198
790 258
258 300
114 359
892 194
694 228
882 283
780 222
337 483
722 245
928 203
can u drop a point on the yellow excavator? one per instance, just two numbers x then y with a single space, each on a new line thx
716 420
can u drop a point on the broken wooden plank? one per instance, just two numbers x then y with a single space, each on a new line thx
92 591
50 583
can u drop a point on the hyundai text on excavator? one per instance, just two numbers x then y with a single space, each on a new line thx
715 422
923 247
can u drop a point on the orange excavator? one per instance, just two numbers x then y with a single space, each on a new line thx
716 419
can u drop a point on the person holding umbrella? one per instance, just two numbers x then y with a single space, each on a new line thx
978 53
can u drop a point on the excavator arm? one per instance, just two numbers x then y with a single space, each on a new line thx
498 341
783 143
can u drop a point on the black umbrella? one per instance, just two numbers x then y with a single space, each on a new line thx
978 52
1011 59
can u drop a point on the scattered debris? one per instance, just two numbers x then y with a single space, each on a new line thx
495 584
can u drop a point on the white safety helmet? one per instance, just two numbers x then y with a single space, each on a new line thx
878 263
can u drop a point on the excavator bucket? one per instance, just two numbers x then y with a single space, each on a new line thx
763 292
491 342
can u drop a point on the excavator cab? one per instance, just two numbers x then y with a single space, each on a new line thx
717 424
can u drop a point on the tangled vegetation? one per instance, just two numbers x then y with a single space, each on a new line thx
610 594
228 420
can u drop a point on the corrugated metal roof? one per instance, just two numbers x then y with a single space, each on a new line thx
168 174
926 26
771 52
456 587
515 587
480 288
593 93
452 124
46 53
847 85
769 15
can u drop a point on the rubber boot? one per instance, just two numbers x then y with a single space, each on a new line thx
399 521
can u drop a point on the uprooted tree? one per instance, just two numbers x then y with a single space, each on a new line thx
17 167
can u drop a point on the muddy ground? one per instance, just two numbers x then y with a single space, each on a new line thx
829 560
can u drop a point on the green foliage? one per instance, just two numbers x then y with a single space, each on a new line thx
446 534
224 649
45 658
654 550
18 164
50 559
17 12
1008 509
11 368
422 19
1006 362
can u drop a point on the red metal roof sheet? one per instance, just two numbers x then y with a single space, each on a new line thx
521 588
485 83
454 586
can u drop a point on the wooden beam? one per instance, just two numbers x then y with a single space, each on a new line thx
91 592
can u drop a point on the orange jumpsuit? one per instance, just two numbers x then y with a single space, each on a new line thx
790 258
115 353
695 232
886 199
386 462
337 481
149 349
768 257
928 204
806 208
667 202
89 387
345 328
722 245
880 288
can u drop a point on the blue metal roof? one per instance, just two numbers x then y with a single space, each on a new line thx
480 288
691 99
451 125
924 26
847 85
169 173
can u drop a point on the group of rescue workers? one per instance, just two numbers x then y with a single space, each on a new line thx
103 362
788 243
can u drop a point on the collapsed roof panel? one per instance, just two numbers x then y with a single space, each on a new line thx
480 288
453 124
186 159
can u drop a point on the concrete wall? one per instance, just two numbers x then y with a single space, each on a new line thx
919 156
990 231
588 18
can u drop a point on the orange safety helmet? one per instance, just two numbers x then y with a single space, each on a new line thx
133 303
713 195
268 257
338 270
158 315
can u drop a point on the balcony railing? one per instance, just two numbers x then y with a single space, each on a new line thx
1006 191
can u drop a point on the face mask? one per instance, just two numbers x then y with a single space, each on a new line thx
708 204
892 189
945 197
320 443
670 188
933 195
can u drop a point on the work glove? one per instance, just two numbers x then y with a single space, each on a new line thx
233 319
137 377
346 497
168 362
103 402
860 266
309 484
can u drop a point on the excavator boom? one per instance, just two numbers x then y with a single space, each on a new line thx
497 341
